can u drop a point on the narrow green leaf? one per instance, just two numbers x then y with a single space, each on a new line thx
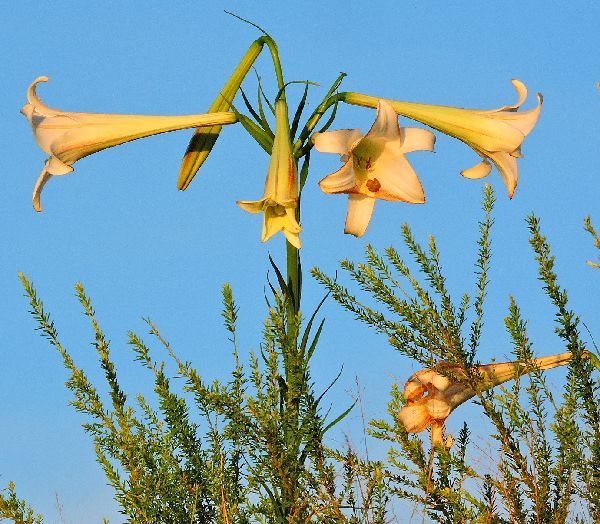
249 106
298 113
338 419
304 170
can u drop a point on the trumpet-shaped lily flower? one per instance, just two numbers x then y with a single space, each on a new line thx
68 136
374 165
280 198
495 135
431 396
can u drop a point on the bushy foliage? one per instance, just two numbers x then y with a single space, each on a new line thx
256 452
547 453
15 509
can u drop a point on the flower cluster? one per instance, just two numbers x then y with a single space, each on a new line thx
374 165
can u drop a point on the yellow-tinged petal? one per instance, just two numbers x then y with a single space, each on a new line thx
396 178
251 206
274 221
481 170
360 209
340 141
39 185
386 123
438 408
414 417
522 96
35 103
342 181
416 139
507 167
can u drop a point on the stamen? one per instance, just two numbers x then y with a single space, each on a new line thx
373 185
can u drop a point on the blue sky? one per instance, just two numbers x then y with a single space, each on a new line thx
142 248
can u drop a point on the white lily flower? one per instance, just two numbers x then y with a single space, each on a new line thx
68 136
495 135
280 198
374 165
431 396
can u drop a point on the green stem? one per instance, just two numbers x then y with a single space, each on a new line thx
276 63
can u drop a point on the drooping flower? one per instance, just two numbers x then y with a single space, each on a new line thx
280 198
495 135
68 136
431 395
374 165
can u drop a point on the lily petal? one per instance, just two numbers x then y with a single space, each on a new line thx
386 123
360 209
414 417
416 139
438 408
342 181
35 102
339 141
251 206
273 222
39 185
524 121
507 167
481 170
521 93
52 167
398 180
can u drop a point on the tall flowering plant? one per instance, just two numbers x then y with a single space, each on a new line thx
269 460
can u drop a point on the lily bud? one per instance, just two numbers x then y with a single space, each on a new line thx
204 139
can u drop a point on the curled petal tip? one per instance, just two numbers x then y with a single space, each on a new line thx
31 94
